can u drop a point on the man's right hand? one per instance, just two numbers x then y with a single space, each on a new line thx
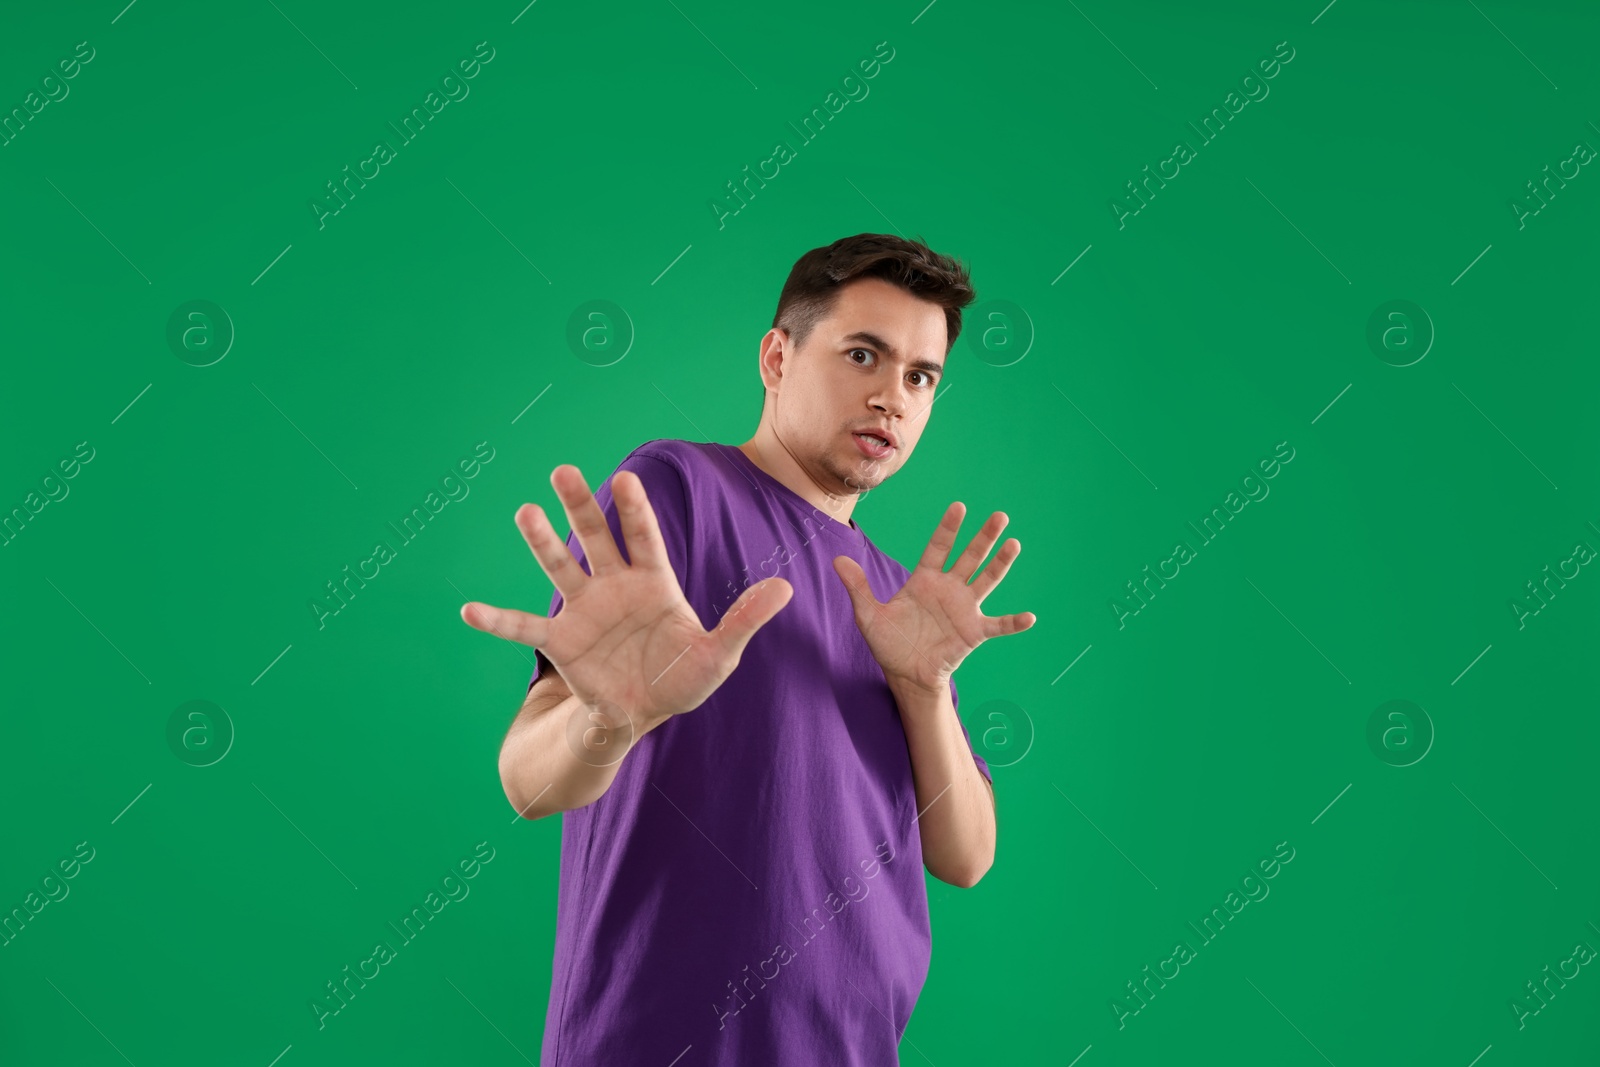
625 634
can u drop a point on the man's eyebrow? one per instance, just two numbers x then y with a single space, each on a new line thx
877 342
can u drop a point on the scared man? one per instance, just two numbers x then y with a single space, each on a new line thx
745 710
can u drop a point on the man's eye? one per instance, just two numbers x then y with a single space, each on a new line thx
865 351
925 376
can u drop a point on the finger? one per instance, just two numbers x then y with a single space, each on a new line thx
548 547
855 583
753 610
586 519
937 554
978 550
995 570
1001 625
508 623
641 533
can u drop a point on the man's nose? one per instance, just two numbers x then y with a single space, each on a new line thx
892 401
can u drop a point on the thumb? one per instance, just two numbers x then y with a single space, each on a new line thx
753 610
855 583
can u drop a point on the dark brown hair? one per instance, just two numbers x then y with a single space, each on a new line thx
814 283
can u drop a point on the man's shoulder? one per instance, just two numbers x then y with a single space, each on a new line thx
682 456
665 459
697 464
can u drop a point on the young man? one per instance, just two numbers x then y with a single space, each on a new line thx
751 723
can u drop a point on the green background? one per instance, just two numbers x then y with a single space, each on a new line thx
432 313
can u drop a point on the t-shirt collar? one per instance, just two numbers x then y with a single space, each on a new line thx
849 531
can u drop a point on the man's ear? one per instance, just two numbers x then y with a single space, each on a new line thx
776 350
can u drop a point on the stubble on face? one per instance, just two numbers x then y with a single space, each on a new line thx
856 478
841 479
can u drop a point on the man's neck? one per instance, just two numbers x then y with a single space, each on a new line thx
768 453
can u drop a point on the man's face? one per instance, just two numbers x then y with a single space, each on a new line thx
872 366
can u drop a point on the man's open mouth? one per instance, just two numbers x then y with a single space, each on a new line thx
872 445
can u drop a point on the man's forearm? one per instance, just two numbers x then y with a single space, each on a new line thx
957 822
551 763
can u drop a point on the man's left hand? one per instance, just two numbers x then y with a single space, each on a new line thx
926 629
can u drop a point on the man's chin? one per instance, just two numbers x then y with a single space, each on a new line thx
866 475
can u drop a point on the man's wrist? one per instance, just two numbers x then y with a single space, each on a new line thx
908 691
643 724
601 734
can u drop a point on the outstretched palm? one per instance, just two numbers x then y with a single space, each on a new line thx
921 635
625 635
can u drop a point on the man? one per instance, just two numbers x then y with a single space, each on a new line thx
748 809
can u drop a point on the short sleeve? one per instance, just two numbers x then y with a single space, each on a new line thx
983 765
668 491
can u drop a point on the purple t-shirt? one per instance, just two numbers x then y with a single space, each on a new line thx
750 889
